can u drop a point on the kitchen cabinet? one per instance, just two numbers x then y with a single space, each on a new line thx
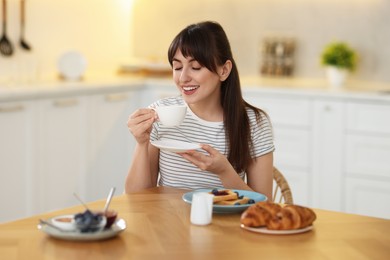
60 145
334 151
327 177
17 155
62 148
110 143
291 120
367 154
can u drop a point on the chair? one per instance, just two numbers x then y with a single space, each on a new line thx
282 192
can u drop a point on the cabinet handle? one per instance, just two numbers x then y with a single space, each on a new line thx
16 108
115 97
327 108
65 103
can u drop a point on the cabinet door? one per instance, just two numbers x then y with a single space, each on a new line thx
284 110
111 144
299 181
62 138
328 139
290 117
368 197
16 157
368 156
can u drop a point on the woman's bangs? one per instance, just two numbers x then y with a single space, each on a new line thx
192 45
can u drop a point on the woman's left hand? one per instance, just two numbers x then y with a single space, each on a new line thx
214 162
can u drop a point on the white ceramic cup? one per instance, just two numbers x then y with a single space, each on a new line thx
171 115
201 208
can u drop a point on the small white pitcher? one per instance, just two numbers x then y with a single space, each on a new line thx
201 208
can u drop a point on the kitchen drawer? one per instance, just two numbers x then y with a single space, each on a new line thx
283 110
368 155
368 117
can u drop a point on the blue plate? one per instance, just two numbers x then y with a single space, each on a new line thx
187 197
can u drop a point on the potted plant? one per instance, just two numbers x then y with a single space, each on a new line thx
339 59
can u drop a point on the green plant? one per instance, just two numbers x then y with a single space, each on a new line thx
340 55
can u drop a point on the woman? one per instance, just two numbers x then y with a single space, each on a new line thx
236 138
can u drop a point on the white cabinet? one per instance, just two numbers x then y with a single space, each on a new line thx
327 154
110 145
291 120
367 196
62 151
16 158
54 147
334 151
367 158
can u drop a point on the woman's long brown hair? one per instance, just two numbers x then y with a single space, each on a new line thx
208 44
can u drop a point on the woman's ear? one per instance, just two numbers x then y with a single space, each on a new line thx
225 70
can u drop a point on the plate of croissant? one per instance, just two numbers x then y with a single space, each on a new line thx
273 218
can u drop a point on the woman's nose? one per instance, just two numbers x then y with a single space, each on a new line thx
184 76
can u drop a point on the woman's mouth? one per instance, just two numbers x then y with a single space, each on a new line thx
189 90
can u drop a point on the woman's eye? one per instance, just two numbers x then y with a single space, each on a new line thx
177 68
196 68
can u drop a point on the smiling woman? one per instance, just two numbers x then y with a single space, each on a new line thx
207 80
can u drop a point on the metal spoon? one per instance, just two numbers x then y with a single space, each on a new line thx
78 198
108 201
5 45
43 222
23 43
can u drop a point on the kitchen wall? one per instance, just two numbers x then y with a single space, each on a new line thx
99 29
313 23
110 32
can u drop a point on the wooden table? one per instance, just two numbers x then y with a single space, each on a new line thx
158 227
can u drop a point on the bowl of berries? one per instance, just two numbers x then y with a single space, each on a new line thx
89 221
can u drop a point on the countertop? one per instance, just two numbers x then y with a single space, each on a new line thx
101 84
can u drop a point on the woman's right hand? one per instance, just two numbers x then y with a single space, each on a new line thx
140 124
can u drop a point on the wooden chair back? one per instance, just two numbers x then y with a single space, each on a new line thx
281 190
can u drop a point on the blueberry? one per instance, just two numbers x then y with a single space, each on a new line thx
88 221
240 197
237 203
214 191
251 201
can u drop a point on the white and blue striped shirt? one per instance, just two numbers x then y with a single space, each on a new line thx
175 171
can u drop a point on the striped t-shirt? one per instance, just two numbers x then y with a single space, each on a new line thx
175 171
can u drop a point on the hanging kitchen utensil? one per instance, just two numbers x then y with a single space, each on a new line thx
22 42
5 45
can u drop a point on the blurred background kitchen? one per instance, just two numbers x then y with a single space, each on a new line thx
63 124
112 33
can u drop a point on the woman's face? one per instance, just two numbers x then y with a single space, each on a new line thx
197 84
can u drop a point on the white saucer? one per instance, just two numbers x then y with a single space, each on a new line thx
115 229
175 146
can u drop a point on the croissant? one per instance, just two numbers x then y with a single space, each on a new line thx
292 217
259 214
275 217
